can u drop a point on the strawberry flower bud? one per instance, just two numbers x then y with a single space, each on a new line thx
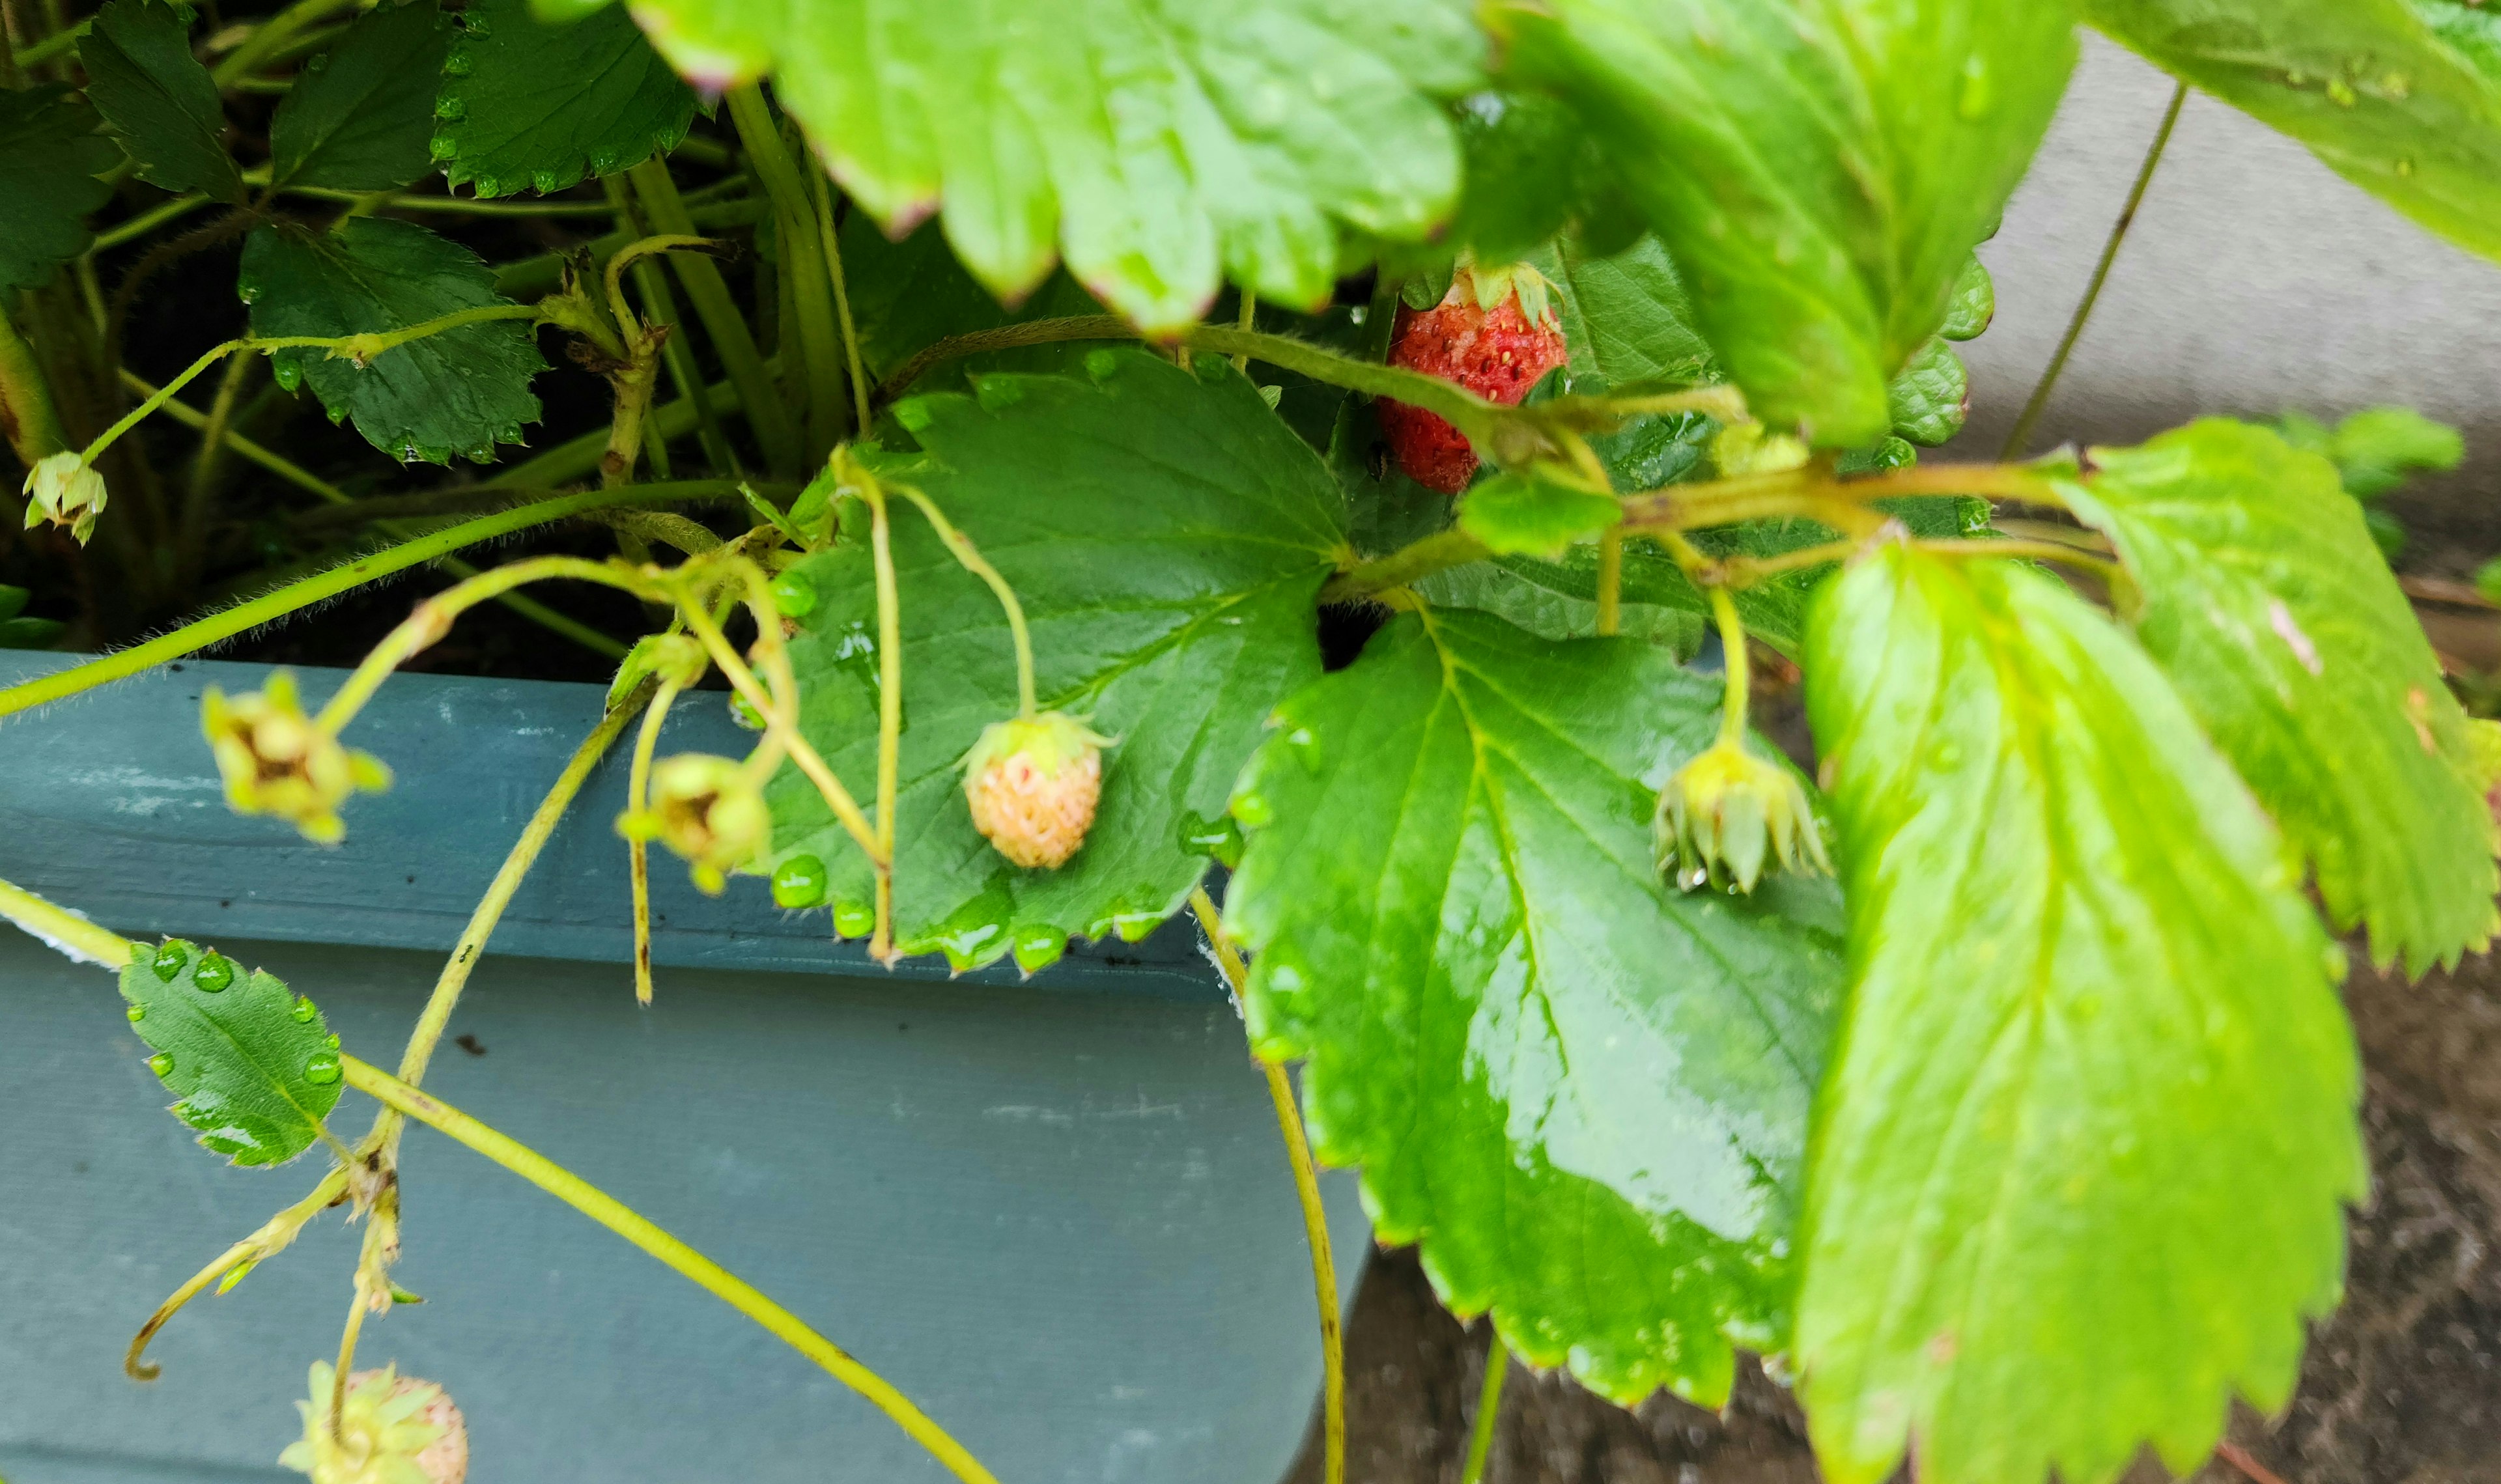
1728 813
392 1429
1033 783
64 490
276 762
707 812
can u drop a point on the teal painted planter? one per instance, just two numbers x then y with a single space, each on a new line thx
1055 1213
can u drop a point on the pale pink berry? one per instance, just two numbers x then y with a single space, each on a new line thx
1033 785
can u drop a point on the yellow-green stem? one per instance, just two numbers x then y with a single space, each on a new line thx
279 1229
1489 1408
753 381
638 791
1307 1192
824 194
1737 667
1248 320
889 710
1417 559
810 286
65 931
782 729
1611 582
643 1232
972 561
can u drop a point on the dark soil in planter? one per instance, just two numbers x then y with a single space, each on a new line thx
2402 1386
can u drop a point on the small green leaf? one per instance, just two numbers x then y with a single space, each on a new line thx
2079 1168
2380 447
1157 146
1973 305
526 104
1582 1091
1166 535
1627 317
361 114
460 391
2265 598
142 76
1932 395
1819 171
50 158
2406 109
1518 511
254 1069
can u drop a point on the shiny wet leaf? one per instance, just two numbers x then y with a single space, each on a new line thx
252 1066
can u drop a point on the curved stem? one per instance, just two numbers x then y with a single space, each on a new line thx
1033 332
643 1232
781 728
1421 558
1489 1408
274 1236
978 565
638 792
890 712
731 341
2039 401
273 35
1307 1192
229 622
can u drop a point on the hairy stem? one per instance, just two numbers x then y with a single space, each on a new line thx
1307 1192
1737 667
757 397
703 1271
64 931
782 726
2039 402
972 561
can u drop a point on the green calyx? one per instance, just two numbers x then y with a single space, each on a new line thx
1728 815
1050 740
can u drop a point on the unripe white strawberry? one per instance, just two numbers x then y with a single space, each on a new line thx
1728 815
64 490
392 1429
1033 783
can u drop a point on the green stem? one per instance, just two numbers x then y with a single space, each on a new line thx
55 45
1033 332
1611 582
811 285
703 1271
2039 402
1247 320
766 418
1417 559
974 562
148 221
1307 1192
1736 665
65 931
229 622
200 494
889 710
1489 1409
833 248
273 1236
273 36
26 403
638 852
780 722
660 307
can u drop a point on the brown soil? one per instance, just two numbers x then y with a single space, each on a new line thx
2402 1386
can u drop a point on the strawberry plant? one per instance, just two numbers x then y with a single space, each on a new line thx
1311 459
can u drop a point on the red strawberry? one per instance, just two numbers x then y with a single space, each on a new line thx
1495 334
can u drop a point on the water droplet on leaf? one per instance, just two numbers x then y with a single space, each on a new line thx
799 881
303 1011
137 1013
1036 948
322 1070
161 1064
854 919
214 974
168 961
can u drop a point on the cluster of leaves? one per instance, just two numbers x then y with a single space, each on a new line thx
1963 1134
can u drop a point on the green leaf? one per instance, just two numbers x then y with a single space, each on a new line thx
142 76
1518 511
1158 145
909 295
462 390
2265 598
255 1069
50 158
1819 171
1528 170
2078 1169
529 106
1932 395
1582 1091
2379 449
1627 317
1559 599
1166 535
1974 306
361 116
2372 88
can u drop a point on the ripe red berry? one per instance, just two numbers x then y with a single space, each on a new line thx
1495 334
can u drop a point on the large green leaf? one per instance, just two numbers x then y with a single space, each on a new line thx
2078 1167
1819 169
1582 1091
255 1067
142 76
1157 145
1166 535
2369 85
2265 599
460 391
909 295
361 114
50 158
528 106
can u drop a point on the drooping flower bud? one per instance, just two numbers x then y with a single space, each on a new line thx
676 658
65 489
392 1429
1728 815
707 812
1033 783
276 762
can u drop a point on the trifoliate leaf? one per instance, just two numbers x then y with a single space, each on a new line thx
1166 535
1155 146
1516 511
254 1066
526 104
2077 1169
461 391
1582 1090
1973 305
2265 599
142 76
360 115
1819 172
1932 395
2402 99
50 158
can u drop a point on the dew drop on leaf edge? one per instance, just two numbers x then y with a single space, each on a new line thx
322 1070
